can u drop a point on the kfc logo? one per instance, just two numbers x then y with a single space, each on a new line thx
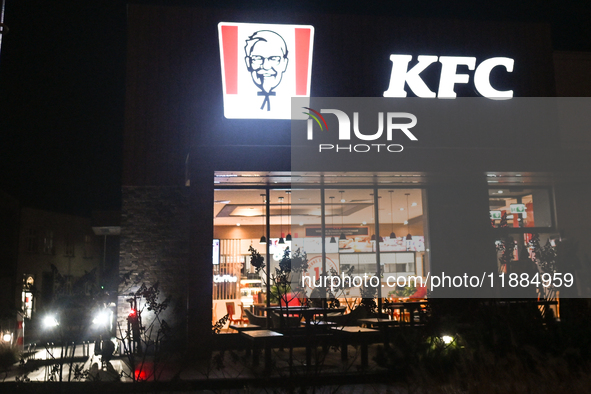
277 66
266 60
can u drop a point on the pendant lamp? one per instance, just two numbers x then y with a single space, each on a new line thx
332 238
263 238
342 237
288 237
408 236
281 240
392 234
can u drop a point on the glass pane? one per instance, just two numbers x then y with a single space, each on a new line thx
239 222
520 207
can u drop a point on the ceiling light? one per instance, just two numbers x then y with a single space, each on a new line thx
288 238
408 236
263 238
342 236
281 240
392 234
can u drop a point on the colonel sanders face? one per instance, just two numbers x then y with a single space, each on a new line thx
266 59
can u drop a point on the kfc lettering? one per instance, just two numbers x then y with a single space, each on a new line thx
401 75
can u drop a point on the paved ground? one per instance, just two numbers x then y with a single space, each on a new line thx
224 365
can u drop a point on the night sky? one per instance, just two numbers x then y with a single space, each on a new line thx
62 85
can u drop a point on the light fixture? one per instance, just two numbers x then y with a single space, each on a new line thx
392 234
408 236
342 236
263 238
101 319
281 240
332 238
288 238
373 237
50 322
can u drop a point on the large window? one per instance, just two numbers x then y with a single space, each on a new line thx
517 214
520 207
357 221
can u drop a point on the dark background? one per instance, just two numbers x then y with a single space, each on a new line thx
62 84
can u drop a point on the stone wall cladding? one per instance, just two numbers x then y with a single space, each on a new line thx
155 247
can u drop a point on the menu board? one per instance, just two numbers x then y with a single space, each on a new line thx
314 245
366 245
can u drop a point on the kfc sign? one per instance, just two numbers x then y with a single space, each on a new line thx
263 67
401 75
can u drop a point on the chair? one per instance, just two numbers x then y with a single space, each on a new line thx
242 314
288 321
231 310
350 319
258 320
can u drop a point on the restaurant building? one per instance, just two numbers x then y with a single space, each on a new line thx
208 155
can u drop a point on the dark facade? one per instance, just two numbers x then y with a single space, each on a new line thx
10 213
174 109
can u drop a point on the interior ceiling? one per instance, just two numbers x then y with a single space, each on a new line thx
246 207
271 178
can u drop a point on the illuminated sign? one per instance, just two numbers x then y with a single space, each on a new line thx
449 77
263 67
224 279
517 208
495 215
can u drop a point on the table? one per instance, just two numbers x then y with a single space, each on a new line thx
264 337
380 323
245 327
307 313
360 335
377 322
